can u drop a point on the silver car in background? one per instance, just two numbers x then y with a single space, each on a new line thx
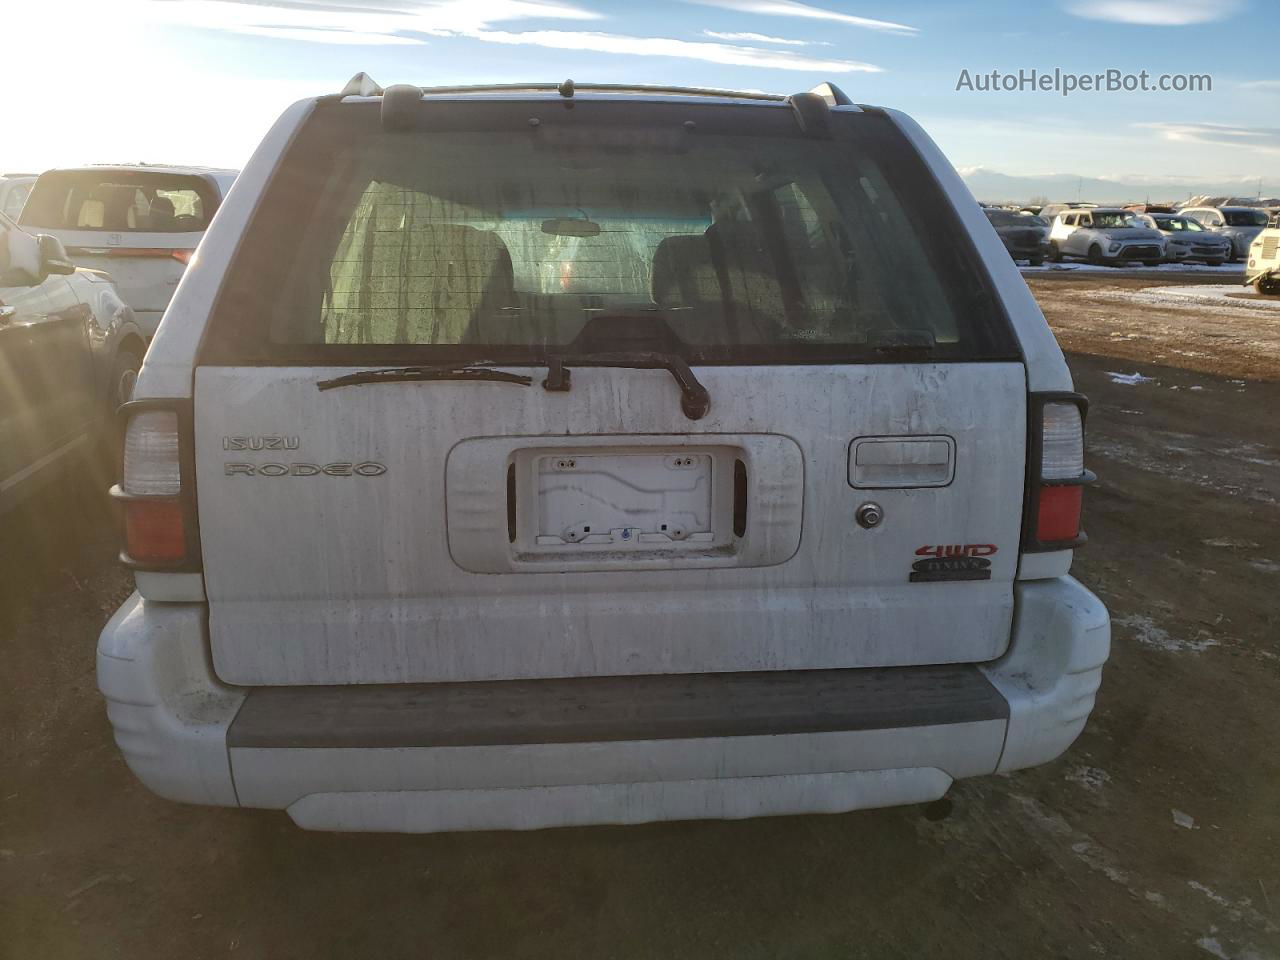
1187 239
141 224
1238 224
1105 235
1026 237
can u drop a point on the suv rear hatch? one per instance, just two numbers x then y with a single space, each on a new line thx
540 493
140 226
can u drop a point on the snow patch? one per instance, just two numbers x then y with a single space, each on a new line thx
1212 294
1091 778
1149 635
1184 820
1129 379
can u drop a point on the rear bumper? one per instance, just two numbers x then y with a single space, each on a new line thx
331 758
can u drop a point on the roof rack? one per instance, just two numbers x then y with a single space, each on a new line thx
362 85
812 109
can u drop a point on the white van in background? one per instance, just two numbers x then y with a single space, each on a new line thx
14 188
139 223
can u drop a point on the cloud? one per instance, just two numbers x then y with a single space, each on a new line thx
326 35
1261 85
1157 13
723 53
332 21
763 38
791 8
1219 134
410 21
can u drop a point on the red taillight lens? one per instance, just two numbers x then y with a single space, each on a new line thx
1056 475
155 487
1058 515
155 531
182 256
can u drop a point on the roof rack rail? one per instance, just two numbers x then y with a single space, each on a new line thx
361 85
813 114
577 87
812 108
834 96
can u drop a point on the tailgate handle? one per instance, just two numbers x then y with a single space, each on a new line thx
897 462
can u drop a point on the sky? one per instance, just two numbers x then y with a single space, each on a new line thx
200 81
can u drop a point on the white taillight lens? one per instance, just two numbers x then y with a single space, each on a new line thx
1062 453
151 464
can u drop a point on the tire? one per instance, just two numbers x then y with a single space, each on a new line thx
1214 263
1036 261
1095 255
1055 254
1267 286
124 374
1152 263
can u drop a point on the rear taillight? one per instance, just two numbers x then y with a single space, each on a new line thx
182 256
1055 472
155 486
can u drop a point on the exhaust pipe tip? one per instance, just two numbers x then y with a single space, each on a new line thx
939 809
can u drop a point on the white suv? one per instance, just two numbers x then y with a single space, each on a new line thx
141 224
519 457
1105 235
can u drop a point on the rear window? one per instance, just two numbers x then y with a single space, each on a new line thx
1245 218
120 202
14 198
719 229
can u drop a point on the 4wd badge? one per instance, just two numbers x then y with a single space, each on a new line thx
953 562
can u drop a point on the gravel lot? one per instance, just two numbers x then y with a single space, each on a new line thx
1155 836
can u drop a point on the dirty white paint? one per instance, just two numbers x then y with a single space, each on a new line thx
409 575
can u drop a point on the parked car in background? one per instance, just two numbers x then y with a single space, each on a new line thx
1186 239
1025 236
745 484
139 223
1051 210
1110 235
1238 224
69 352
1263 267
1149 207
14 188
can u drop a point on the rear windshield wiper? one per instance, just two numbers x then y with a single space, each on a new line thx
469 371
695 401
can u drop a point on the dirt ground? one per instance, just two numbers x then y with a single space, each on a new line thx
1095 314
1155 836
